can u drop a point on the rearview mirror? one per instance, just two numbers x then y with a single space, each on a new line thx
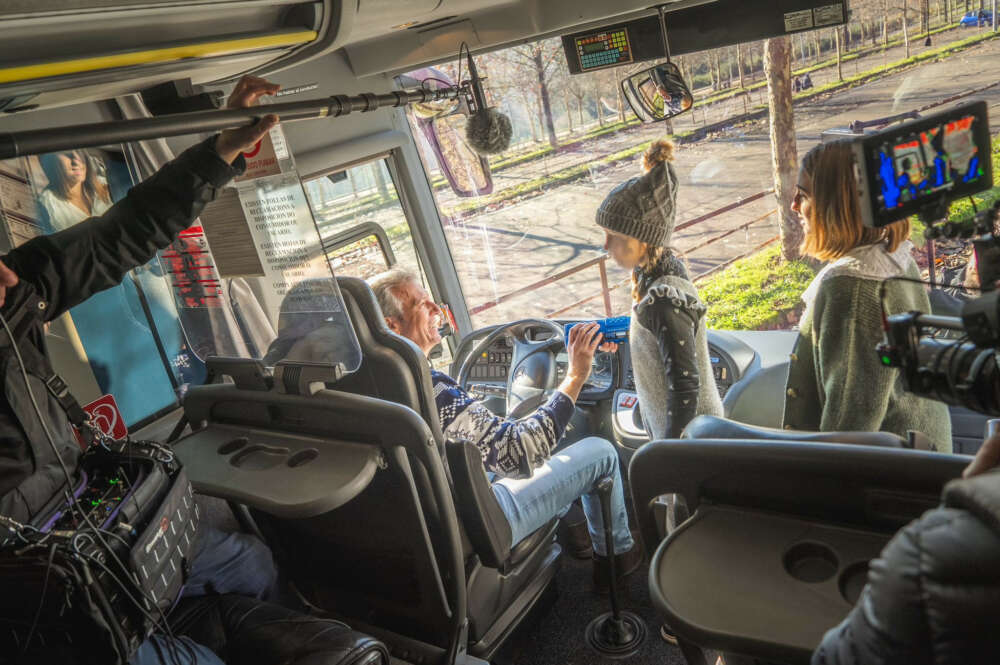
657 93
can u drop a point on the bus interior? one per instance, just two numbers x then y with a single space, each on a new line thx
341 466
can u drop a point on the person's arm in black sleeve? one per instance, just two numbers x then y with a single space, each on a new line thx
887 626
675 325
70 266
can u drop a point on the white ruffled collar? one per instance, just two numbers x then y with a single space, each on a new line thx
867 262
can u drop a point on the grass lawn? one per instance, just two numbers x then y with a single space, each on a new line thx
755 293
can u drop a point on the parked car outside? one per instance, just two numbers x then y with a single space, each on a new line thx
974 19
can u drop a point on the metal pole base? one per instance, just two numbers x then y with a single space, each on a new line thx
616 639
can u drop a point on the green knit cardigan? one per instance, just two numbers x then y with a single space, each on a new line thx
836 381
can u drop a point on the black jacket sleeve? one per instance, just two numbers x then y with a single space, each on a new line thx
886 624
933 596
68 267
674 323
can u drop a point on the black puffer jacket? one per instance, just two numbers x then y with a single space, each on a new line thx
933 596
61 270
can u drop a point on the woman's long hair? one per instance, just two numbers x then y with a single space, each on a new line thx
93 189
661 151
835 226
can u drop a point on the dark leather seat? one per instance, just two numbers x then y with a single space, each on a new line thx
391 531
714 427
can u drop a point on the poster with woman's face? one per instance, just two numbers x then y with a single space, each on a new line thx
47 193
74 185
125 341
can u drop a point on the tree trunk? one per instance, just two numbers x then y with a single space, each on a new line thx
596 94
621 106
885 24
784 160
840 68
383 191
354 185
528 104
739 64
543 94
906 32
579 108
569 113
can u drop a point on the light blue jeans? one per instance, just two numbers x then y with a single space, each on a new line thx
568 475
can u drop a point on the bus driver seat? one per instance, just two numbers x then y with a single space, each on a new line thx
503 583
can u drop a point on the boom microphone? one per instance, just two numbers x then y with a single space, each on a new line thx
488 131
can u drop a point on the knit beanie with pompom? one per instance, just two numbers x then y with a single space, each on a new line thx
644 208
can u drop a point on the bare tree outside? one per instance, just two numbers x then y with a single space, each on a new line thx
784 157
538 63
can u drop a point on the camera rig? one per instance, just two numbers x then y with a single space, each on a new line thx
920 167
954 359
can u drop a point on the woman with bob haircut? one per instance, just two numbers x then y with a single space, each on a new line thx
836 380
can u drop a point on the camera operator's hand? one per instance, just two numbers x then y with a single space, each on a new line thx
987 458
232 142
8 279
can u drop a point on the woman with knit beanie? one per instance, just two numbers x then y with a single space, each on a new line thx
836 381
667 337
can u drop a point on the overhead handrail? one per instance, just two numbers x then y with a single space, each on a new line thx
37 141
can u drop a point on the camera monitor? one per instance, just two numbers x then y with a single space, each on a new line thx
923 165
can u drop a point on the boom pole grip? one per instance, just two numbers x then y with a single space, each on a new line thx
37 141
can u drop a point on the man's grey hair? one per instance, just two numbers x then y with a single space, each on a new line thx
385 286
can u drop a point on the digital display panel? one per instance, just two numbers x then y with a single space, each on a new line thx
924 162
598 50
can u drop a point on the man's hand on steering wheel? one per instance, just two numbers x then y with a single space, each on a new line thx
584 340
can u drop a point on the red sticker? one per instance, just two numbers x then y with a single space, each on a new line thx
253 153
107 418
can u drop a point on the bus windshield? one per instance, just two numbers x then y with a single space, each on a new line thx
531 247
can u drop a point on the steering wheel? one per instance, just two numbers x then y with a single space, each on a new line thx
532 376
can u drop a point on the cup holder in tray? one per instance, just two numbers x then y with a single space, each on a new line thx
853 580
811 562
259 457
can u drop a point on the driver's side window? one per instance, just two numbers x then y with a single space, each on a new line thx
363 226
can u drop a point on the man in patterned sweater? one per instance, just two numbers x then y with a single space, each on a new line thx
530 483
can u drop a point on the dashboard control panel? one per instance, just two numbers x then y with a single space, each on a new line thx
494 364
610 372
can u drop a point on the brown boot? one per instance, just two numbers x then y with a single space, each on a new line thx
574 534
577 540
625 565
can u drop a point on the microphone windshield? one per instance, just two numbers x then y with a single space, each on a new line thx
488 131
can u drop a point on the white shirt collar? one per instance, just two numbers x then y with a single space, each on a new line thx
867 262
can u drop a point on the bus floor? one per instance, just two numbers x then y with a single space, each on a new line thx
556 636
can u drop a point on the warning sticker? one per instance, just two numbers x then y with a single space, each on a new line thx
802 20
829 14
107 417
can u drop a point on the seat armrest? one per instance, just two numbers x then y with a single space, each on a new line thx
485 523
